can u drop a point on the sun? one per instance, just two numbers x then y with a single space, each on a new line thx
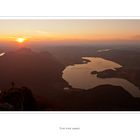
20 39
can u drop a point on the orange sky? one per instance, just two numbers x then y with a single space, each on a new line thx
67 30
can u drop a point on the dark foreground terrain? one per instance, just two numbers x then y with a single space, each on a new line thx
42 74
101 98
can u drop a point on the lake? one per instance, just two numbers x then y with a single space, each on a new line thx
79 75
1 54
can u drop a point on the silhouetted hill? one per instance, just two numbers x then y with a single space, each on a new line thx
18 99
101 98
37 70
24 51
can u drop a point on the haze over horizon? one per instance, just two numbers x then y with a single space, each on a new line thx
70 31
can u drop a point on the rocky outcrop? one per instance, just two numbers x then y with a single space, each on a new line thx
17 99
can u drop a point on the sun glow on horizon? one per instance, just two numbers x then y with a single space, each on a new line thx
20 39
24 32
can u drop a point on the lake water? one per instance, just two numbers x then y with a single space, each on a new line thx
1 54
79 75
104 50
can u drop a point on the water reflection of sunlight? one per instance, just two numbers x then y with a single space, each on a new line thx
1 54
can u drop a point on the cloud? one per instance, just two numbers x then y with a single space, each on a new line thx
46 33
42 32
14 37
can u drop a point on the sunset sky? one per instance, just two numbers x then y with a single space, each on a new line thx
69 30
